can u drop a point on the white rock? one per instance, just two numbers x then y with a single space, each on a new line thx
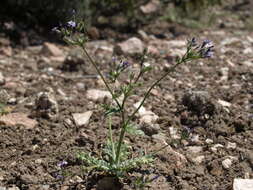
195 149
231 145
243 184
209 141
195 138
174 133
147 117
150 7
216 146
248 63
224 72
82 119
2 79
13 188
198 159
248 50
224 103
227 163
143 35
38 161
94 94
130 46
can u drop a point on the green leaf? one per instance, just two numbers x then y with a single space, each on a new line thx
133 130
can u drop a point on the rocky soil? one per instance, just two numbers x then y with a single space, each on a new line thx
203 111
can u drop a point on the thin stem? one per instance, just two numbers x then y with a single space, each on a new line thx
102 77
111 139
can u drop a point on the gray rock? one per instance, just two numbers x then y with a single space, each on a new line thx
74 61
151 129
199 102
46 104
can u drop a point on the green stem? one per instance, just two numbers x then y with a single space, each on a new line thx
123 129
102 76
111 139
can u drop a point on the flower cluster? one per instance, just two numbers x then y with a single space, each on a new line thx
203 50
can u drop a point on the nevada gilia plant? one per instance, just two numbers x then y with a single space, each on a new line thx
116 160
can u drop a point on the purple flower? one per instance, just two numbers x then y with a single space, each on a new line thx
71 24
206 49
125 64
207 44
62 164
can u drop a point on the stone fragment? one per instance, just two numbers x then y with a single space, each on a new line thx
50 49
215 147
199 102
13 188
231 145
28 179
248 63
198 159
160 138
248 50
224 103
74 60
224 73
147 117
194 149
243 184
143 35
46 105
2 79
7 51
151 7
151 129
82 119
174 133
130 46
94 94
171 156
14 119
209 141
227 163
